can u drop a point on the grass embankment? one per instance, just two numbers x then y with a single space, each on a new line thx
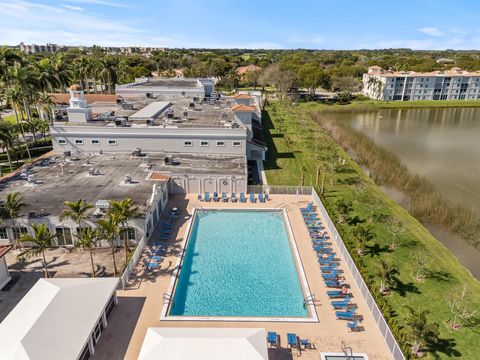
427 204
365 104
295 141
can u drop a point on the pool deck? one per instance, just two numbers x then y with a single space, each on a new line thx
140 305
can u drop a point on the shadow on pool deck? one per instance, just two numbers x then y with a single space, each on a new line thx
113 343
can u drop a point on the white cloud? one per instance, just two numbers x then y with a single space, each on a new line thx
306 40
55 24
101 2
431 31
73 8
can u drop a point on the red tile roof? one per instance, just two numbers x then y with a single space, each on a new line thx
157 176
60 98
242 96
4 249
244 108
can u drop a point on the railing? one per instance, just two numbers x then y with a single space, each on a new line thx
133 262
367 296
280 190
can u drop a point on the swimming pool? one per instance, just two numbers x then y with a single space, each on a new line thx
239 264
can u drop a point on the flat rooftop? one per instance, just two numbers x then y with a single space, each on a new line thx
165 82
185 113
57 181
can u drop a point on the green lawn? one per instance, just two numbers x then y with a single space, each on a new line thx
295 142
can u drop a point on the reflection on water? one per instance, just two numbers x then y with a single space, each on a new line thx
441 144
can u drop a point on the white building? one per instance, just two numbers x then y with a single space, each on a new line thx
453 84
4 274
58 319
209 137
204 343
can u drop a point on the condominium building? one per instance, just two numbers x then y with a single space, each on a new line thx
453 84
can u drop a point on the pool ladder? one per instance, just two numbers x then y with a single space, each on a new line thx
166 298
310 300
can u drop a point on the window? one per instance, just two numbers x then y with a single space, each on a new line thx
64 236
78 141
237 143
3 233
187 143
62 141
95 141
129 234
19 231
203 143
112 142
220 143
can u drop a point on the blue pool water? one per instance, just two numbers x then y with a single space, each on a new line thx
238 263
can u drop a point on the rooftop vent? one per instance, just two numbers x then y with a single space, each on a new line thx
120 122
127 179
93 171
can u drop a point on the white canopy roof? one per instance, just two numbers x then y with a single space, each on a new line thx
152 110
204 343
55 318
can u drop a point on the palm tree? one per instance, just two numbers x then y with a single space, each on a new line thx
385 270
43 239
13 204
343 207
363 234
87 238
6 138
77 212
123 211
45 103
15 96
45 74
419 331
61 70
109 230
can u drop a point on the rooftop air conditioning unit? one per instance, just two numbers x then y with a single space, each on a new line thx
119 100
170 115
120 122
195 98
67 153
191 105
126 106
150 122
185 114
149 95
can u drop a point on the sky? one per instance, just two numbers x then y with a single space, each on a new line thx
259 24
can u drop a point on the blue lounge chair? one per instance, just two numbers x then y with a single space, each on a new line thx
233 198
345 315
332 283
332 294
328 269
207 196
215 196
154 257
252 197
327 260
224 197
306 344
293 340
341 303
273 339
260 197
353 325
242 197
267 197
199 197
156 250
150 265
330 276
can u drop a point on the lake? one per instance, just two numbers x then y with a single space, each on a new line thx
443 145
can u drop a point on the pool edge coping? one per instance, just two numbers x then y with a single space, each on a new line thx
312 313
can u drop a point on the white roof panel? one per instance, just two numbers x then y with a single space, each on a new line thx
55 318
204 344
152 110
